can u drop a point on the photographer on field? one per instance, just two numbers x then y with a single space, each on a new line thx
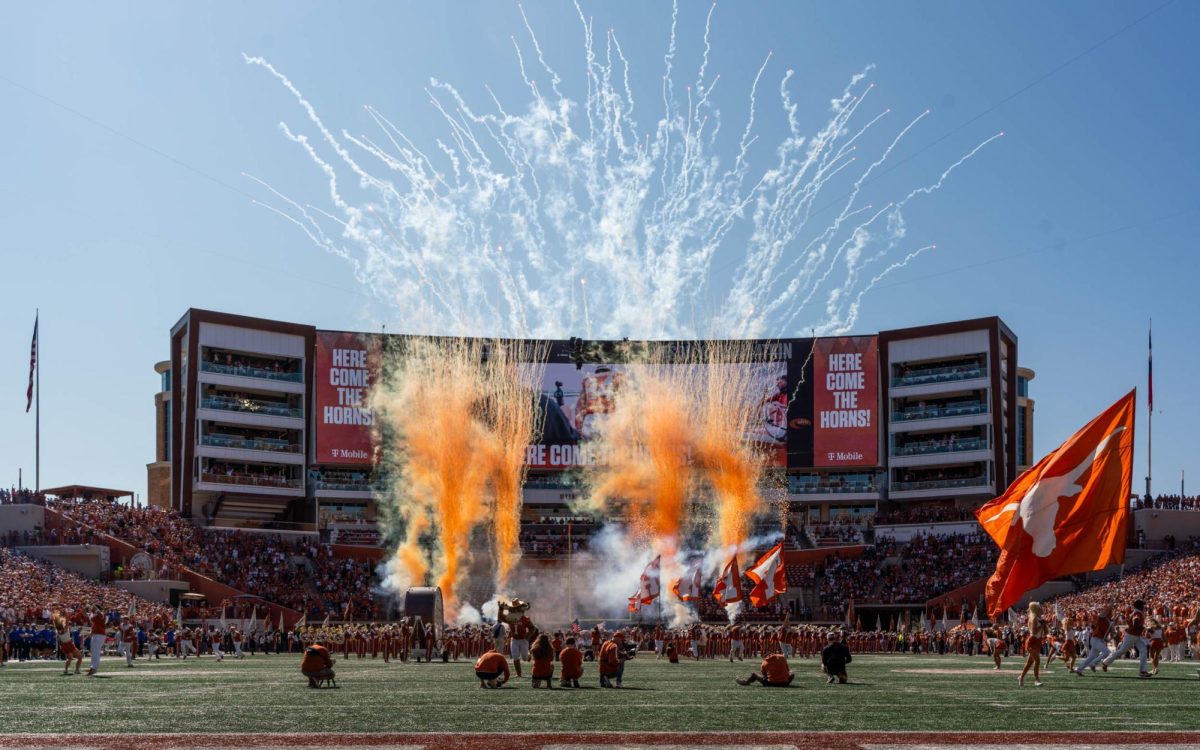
613 655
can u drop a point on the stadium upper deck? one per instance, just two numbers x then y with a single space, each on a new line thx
264 422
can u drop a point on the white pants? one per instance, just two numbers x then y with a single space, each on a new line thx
216 647
736 648
1176 652
237 649
151 649
186 647
658 647
520 648
97 646
786 648
1128 642
125 648
1097 650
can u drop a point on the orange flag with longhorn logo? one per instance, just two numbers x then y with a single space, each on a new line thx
1068 514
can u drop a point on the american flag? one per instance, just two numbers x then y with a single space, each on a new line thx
32 367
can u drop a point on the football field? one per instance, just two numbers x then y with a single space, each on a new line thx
265 695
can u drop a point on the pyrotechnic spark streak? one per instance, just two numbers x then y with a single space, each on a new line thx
577 188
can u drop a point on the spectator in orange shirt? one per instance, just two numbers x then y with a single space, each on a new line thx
317 664
775 673
572 665
492 669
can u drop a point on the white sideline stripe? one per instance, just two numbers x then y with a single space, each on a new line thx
1046 746
666 747
236 747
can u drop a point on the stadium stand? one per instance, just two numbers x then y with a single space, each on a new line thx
31 590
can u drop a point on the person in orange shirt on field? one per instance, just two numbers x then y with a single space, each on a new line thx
317 665
775 673
612 661
492 669
543 661
571 659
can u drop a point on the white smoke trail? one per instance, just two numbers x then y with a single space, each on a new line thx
494 229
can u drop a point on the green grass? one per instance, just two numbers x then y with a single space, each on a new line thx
267 694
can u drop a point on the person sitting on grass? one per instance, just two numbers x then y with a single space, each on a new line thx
492 669
834 658
775 673
542 654
317 665
572 665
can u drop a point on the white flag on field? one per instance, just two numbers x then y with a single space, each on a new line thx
769 576
687 587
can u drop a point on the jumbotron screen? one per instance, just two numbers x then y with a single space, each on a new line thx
816 401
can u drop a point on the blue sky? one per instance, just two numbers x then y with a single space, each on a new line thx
127 127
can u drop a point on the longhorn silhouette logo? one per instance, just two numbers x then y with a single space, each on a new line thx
1038 509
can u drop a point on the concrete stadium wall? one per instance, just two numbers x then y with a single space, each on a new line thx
22 517
89 560
155 591
904 532
1158 524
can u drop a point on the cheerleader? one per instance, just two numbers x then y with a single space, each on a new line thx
1033 645
996 645
66 644
1154 632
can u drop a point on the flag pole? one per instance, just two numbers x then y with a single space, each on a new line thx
37 415
1150 410
570 579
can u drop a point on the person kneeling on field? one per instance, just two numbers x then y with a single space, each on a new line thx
492 669
317 665
571 659
775 673
612 661
543 661
834 659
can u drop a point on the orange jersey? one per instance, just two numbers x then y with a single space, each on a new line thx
492 661
610 659
543 668
775 669
98 625
572 663
316 658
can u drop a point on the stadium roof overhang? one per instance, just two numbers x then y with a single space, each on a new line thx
85 492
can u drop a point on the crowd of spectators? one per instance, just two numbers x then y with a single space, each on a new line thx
837 533
227 473
14 496
847 578
931 514
933 564
32 590
271 566
1166 502
924 567
547 536
1168 579
170 540
237 362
